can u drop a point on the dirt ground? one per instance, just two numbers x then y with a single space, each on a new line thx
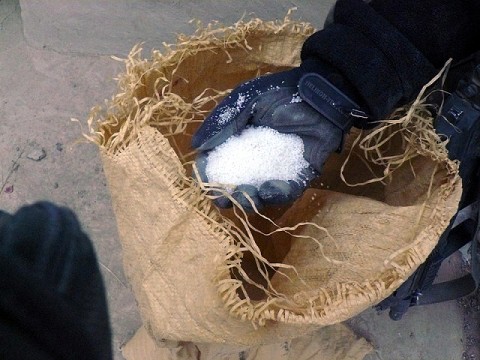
55 65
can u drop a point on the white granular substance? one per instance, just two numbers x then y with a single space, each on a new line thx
296 98
256 155
229 112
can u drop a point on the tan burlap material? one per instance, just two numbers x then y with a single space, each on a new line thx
207 276
334 342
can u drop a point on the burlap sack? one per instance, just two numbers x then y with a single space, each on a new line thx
208 276
334 342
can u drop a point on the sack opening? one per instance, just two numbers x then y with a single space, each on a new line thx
372 217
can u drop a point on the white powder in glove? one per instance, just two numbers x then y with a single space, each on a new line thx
256 155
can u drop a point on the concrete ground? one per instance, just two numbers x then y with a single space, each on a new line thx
55 65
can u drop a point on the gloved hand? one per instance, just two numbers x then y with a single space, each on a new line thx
279 101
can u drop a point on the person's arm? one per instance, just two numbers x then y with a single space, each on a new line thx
440 29
388 49
367 61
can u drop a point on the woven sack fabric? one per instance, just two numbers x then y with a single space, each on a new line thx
335 342
204 275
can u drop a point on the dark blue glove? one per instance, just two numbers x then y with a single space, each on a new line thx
286 102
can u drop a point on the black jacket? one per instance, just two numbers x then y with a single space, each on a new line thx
387 50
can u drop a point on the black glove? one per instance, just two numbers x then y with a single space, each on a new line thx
52 303
364 55
294 102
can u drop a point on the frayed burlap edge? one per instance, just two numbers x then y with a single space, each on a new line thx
128 112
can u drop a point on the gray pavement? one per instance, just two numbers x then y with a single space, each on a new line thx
55 65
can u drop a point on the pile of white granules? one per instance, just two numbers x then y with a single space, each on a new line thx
254 156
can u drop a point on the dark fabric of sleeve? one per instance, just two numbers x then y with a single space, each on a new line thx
440 29
52 303
376 50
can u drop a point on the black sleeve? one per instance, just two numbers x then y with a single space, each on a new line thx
440 29
388 49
